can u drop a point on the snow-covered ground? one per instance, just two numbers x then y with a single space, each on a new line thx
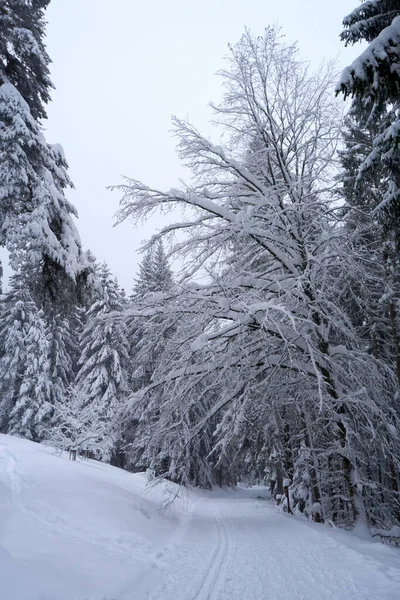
88 531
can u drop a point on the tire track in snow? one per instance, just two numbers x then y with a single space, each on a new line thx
213 581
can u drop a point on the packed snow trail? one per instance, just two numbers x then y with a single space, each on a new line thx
237 547
88 531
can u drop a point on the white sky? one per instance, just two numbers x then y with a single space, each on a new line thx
121 69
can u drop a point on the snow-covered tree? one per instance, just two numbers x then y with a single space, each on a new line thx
91 291
372 295
374 78
102 365
24 367
36 219
155 274
76 427
180 452
63 353
14 329
23 59
154 281
37 228
269 322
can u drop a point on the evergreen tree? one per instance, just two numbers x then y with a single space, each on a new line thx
36 223
144 282
155 280
163 276
374 78
372 298
35 217
63 353
23 59
94 271
155 274
14 329
24 367
102 375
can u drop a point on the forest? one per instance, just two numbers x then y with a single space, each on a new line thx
273 356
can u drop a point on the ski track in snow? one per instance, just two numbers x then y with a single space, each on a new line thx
113 544
257 554
214 578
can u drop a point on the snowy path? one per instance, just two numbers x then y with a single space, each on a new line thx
237 547
86 531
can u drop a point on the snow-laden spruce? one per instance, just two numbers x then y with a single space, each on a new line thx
371 295
36 219
147 338
37 227
63 350
374 77
101 379
24 61
268 362
24 366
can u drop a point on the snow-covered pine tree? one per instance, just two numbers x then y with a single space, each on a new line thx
33 410
163 275
155 273
91 291
102 374
143 283
36 223
374 78
93 262
371 167
23 59
154 281
36 219
63 355
372 295
26 408
13 330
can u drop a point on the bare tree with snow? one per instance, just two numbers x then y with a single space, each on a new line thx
272 356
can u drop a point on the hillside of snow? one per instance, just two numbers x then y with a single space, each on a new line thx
88 531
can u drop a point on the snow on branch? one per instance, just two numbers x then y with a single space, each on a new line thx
378 62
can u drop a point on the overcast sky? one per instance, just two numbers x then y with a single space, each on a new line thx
121 69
